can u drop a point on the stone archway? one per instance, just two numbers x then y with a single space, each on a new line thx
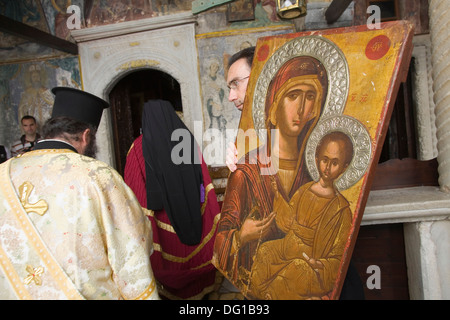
108 53
127 100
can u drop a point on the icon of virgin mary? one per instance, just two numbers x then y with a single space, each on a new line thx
294 102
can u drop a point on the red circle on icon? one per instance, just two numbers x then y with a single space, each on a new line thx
263 52
378 47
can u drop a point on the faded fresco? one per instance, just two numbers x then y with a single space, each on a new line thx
25 11
241 10
56 13
28 89
31 13
214 51
25 86
297 197
106 12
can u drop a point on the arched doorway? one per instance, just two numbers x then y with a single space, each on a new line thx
127 99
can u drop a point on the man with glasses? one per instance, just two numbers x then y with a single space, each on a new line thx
239 67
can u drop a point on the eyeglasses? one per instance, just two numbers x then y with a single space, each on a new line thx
235 83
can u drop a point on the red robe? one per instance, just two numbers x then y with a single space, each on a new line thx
182 271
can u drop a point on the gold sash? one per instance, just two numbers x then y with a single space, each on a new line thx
33 272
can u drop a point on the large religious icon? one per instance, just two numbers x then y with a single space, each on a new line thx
314 120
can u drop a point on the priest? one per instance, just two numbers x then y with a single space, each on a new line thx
70 228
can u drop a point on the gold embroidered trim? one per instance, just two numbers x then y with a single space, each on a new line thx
161 225
208 188
163 292
39 207
148 212
172 258
45 151
34 274
167 227
207 263
148 292
63 281
132 146
14 279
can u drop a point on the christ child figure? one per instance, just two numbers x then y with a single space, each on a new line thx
317 219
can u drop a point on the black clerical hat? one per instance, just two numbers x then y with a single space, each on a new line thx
78 105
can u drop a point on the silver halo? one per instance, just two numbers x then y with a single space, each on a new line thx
362 148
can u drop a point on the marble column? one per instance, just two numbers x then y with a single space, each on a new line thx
439 14
426 246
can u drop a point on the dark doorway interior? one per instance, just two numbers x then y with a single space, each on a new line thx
382 246
399 166
127 99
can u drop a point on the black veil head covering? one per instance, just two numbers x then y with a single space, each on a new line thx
78 105
171 186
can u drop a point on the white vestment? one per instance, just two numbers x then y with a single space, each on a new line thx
70 228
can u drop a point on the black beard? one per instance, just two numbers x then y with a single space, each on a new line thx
91 149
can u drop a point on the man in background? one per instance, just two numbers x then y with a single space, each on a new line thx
28 139
239 67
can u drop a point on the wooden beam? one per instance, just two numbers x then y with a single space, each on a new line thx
335 10
32 34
